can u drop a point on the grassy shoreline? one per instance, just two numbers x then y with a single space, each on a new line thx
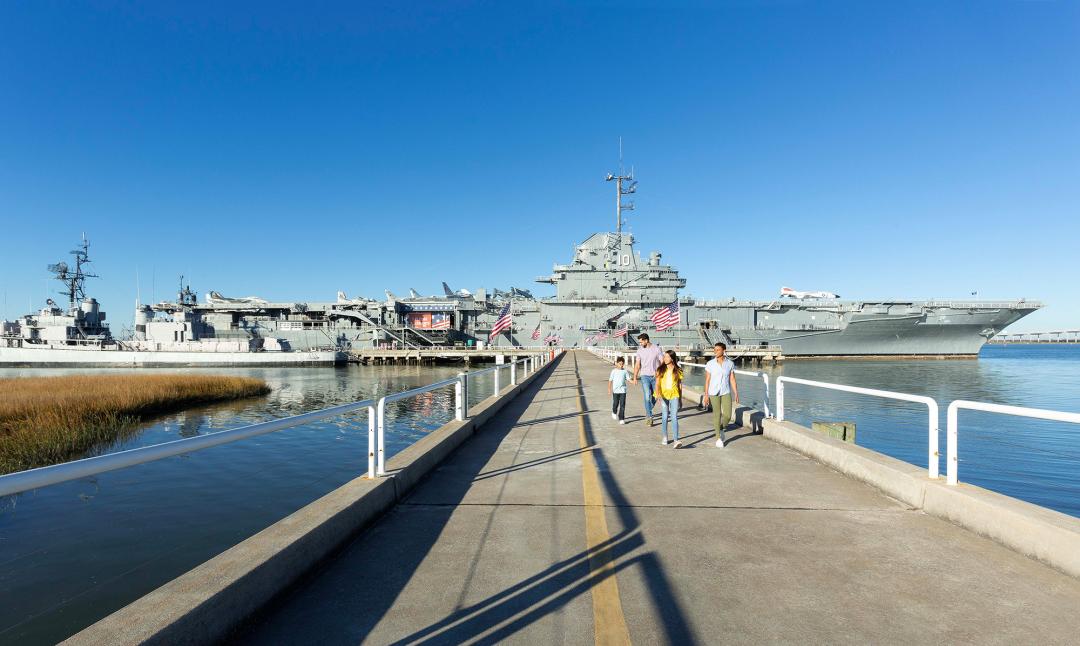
47 420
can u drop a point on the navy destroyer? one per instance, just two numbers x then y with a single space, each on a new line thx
79 336
606 294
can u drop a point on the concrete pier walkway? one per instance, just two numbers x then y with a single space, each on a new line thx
556 525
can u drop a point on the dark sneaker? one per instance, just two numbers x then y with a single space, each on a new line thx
648 420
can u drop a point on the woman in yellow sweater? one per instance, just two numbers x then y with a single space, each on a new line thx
668 393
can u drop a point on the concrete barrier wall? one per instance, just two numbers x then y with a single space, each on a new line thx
209 602
1037 532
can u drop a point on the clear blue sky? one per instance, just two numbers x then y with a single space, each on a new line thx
917 149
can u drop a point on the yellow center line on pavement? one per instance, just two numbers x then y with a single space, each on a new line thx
609 623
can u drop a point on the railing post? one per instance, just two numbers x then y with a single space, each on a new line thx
934 449
951 459
380 439
765 378
371 417
497 389
459 398
779 399
513 373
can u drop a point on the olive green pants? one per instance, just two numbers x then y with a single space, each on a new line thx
721 413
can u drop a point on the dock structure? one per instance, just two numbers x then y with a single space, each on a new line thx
1056 337
466 356
744 355
553 523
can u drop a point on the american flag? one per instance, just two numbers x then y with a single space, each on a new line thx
601 336
666 317
440 321
503 323
536 332
621 331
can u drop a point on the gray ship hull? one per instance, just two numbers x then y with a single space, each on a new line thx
609 288
114 358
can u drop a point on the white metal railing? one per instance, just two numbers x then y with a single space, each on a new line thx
952 463
460 383
20 481
931 404
379 441
746 373
610 354
44 476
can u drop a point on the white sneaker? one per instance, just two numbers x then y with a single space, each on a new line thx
614 416
719 444
677 445
622 421
663 441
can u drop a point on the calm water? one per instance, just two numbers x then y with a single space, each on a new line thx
1029 459
72 553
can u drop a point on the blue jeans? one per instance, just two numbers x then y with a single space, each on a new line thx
670 407
648 387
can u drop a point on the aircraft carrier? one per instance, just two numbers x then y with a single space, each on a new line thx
606 295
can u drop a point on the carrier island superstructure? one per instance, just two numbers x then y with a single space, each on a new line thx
608 286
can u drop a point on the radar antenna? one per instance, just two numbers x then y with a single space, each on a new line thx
74 279
625 184
185 297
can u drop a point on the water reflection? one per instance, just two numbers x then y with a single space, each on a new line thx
76 551
1033 460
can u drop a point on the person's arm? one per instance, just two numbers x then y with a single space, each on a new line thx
637 367
705 395
609 385
734 389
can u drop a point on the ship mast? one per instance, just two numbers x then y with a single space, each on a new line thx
620 190
74 279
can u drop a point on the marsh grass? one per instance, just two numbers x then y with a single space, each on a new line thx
46 420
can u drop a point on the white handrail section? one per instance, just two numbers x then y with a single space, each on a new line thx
931 404
459 409
13 483
461 399
20 481
746 373
952 463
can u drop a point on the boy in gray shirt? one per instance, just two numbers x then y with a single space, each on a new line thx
616 387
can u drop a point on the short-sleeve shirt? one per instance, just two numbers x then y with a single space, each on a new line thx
618 379
719 376
649 360
670 384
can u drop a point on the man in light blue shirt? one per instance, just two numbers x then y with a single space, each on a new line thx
721 389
